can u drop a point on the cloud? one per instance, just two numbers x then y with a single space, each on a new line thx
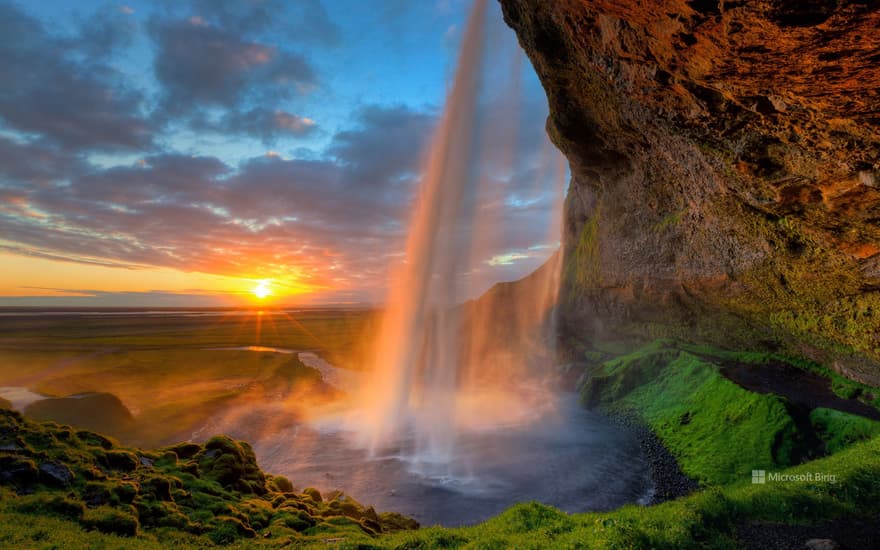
201 66
388 143
56 88
97 298
332 216
28 164
105 33
307 219
265 124
303 21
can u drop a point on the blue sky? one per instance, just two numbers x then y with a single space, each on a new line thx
244 140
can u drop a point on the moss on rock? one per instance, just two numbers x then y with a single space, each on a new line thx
215 490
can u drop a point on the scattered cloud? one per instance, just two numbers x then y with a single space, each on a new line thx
89 171
202 66
59 90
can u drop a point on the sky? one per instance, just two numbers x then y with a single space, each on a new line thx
186 153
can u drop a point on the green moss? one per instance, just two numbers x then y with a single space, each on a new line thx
808 292
281 484
584 268
669 220
313 494
110 520
718 431
232 464
296 520
840 430
843 387
53 504
706 519
230 502
228 529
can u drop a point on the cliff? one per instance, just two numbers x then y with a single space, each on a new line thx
725 174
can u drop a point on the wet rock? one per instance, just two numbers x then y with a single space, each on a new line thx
669 481
55 474
17 471
723 170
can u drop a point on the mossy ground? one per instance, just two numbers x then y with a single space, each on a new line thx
61 487
718 431
194 496
706 519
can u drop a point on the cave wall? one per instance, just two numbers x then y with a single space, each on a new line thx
725 160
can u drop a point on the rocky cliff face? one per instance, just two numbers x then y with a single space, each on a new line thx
725 162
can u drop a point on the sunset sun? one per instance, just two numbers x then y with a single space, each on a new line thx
262 290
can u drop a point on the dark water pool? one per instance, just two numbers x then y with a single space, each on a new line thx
574 460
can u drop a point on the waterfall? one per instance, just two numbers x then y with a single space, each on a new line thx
442 363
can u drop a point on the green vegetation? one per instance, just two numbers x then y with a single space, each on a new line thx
840 430
718 431
82 342
188 493
583 268
843 387
668 220
67 488
706 519
809 290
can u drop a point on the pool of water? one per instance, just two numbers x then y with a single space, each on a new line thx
572 459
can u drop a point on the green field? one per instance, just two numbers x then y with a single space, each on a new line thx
164 368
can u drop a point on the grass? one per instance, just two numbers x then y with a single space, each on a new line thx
840 430
706 519
203 495
189 494
840 385
718 431
67 340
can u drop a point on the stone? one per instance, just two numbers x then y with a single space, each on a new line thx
55 474
713 156
19 472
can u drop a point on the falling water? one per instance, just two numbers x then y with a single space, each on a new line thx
441 366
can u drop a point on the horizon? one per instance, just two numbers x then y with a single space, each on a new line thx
217 154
